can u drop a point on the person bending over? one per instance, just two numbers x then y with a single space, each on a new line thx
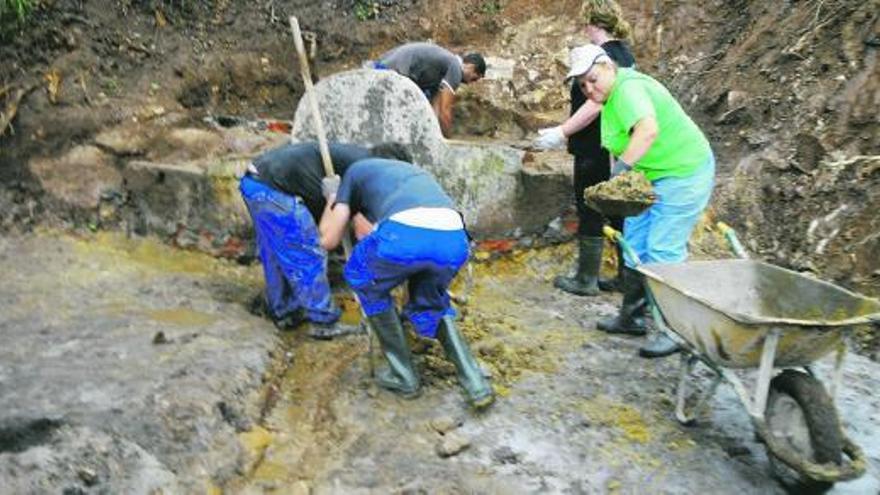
419 239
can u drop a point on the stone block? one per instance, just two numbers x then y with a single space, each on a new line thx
485 178
79 178
196 204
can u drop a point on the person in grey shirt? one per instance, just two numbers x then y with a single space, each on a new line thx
438 73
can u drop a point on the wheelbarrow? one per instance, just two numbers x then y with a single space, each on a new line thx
737 314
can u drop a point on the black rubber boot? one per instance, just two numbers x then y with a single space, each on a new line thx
614 284
586 280
659 345
400 376
630 320
470 376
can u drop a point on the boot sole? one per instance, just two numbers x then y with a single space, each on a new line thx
330 335
634 333
653 355
404 394
585 293
483 402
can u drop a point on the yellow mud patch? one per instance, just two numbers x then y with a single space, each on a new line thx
153 256
255 440
624 418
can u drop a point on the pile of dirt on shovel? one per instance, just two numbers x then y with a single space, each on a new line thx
630 186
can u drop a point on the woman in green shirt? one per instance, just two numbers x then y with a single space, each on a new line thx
648 131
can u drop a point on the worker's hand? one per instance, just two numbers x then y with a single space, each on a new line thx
330 186
362 226
550 138
620 167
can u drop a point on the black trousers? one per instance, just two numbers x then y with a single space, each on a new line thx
589 171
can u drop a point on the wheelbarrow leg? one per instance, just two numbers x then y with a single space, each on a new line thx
687 365
838 370
768 356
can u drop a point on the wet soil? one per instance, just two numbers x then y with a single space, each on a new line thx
127 360
577 411
130 367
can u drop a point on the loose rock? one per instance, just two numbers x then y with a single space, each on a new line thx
505 455
445 424
452 444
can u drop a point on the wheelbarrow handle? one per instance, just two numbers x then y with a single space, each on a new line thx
611 233
733 240
615 236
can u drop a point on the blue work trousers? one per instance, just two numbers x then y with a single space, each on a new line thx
660 234
426 259
294 264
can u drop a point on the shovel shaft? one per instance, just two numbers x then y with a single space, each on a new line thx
310 95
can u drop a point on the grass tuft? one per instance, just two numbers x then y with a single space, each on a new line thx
17 9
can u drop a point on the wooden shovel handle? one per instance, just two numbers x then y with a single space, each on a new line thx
310 95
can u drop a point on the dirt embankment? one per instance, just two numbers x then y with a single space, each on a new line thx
77 69
788 94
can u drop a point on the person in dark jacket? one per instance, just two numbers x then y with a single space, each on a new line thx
437 72
605 27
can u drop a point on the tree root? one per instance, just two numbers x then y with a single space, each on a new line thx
8 114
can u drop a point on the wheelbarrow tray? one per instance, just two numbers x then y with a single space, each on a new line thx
724 309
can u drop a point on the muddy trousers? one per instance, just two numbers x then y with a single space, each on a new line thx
294 264
426 259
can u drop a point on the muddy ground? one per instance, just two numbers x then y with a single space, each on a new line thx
236 406
788 93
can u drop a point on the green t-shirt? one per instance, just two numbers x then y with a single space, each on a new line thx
680 146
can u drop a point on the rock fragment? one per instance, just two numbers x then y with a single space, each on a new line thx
452 444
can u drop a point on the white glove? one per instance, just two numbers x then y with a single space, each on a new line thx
330 186
550 138
620 167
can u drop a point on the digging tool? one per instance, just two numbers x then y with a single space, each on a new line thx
325 155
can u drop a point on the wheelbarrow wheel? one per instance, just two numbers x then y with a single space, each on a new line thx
801 415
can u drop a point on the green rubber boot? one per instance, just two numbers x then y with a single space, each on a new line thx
630 320
586 281
470 376
400 376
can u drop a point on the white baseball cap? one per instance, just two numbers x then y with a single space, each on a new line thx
583 58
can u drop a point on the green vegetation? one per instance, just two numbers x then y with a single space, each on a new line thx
366 9
491 7
15 9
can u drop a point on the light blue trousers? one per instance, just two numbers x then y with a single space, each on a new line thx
660 234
